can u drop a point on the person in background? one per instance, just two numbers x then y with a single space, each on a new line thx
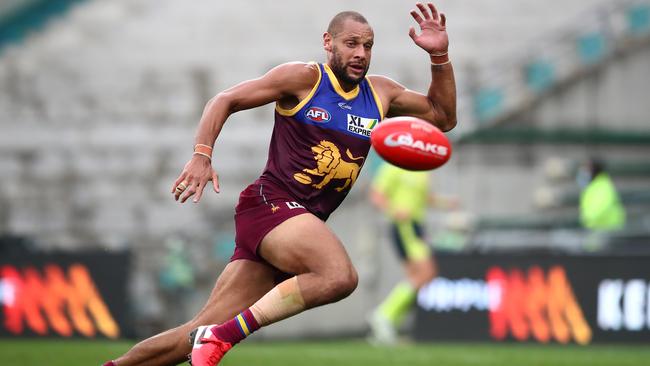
404 197
600 205
601 211
177 280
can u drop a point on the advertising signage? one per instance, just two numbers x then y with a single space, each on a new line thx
559 299
64 295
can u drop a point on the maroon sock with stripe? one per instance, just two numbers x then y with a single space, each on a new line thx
110 363
236 329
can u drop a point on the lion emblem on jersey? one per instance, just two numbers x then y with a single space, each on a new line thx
330 165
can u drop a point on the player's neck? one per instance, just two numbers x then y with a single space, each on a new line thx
346 86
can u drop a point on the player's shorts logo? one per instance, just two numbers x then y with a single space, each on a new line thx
318 114
293 205
330 165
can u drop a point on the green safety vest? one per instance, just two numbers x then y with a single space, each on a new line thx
600 205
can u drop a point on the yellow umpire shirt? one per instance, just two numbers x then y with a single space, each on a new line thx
405 190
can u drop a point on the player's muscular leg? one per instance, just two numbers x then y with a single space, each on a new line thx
304 245
240 284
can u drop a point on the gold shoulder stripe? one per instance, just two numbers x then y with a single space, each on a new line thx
337 87
377 100
294 110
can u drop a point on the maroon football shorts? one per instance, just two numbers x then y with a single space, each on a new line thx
262 206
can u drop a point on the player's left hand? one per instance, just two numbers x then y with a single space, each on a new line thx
433 37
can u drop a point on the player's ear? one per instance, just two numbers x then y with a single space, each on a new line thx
327 42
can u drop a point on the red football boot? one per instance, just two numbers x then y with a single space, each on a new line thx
207 349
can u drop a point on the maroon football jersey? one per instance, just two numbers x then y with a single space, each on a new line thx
319 147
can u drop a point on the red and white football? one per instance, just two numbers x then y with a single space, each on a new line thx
411 143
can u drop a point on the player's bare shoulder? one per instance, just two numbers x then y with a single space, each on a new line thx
296 76
385 85
298 79
386 88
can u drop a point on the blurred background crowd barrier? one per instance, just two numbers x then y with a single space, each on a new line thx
526 297
99 100
63 294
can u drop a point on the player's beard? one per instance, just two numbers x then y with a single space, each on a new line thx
339 69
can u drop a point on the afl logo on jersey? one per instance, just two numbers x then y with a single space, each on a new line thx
317 114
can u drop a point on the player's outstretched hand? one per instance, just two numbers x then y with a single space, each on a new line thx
195 176
433 37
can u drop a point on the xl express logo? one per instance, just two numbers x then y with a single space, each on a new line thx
66 303
318 114
360 125
525 305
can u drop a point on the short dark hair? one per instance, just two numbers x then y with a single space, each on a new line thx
337 22
596 165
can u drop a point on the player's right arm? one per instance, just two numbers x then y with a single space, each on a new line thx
286 84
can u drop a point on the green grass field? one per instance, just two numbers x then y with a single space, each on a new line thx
342 353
